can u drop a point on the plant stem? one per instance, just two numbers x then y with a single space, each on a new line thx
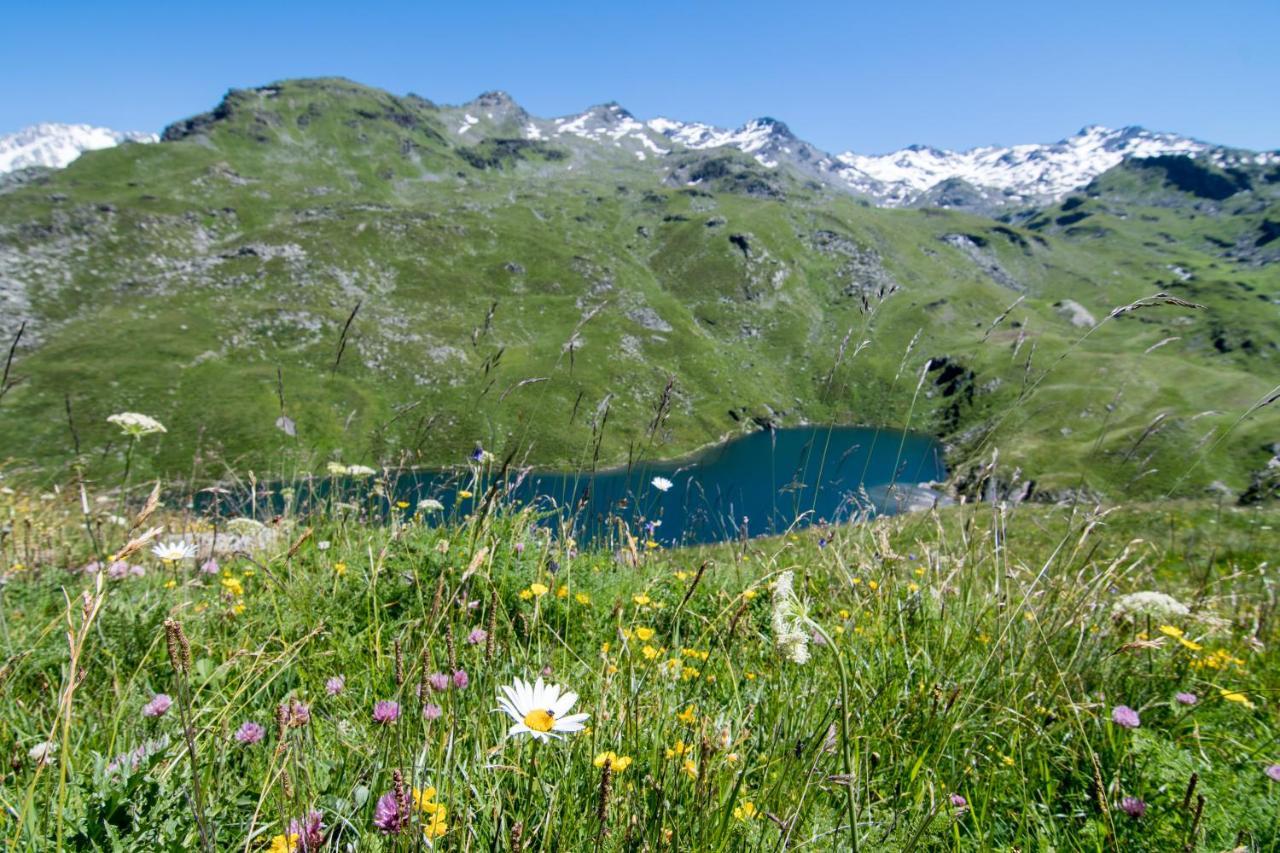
845 744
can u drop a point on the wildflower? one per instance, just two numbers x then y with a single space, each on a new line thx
1171 631
335 685
540 710
461 679
159 704
1236 696
690 769
688 716
464 494
1156 605
1273 772
641 600
1186 698
324 545
172 552
1133 807
958 801
283 844
617 763
136 425
650 652
387 815
438 681
233 586
538 589
562 591
1189 644
526 594
745 812
309 833
210 567
662 484
294 713
477 636
431 712
339 569
133 758
582 598
361 471
644 634
435 825
789 619
43 753
386 712
337 469
250 733
1125 717
678 749
430 505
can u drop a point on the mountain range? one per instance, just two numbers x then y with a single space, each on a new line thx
317 270
985 179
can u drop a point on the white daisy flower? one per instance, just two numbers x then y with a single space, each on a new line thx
172 552
136 425
540 710
662 484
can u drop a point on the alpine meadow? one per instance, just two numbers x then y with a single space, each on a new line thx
381 474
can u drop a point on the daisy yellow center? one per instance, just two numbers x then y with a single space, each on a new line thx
539 720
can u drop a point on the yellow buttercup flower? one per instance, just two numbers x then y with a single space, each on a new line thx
617 763
745 812
650 652
526 594
538 589
284 843
339 569
690 769
644 634
641 600
1171 630
688 716
582 598
464 494
562 591
677 750
233 586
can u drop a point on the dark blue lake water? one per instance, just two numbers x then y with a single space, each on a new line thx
758 484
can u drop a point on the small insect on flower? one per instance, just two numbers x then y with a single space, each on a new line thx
172 552
250 733
1125 717
662 484
539 710
159 704
386 712
136 425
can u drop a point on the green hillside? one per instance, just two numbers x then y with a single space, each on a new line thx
511 291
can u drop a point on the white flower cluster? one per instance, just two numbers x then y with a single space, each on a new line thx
790 621
136 425
1157 605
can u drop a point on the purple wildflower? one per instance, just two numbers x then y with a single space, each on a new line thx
461 679
1186 698
546 671
118 569
250 733
159 704
1273 772
335 685
519 547
133 759
1133 807
1125 717
387 816
386 712
958 801
210 566
92 568
439 681
310 832
431 712
477 636
295 713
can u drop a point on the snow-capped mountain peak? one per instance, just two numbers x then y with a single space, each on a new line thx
56 145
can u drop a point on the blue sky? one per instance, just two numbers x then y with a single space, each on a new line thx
867 76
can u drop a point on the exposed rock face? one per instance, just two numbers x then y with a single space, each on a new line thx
1076 314
975 249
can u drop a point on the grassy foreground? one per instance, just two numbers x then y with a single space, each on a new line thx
986 653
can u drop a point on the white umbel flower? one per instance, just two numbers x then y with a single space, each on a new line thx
136 425
337 469
361 471
430 505
172 552
43 753
662 484
539 710
790 621
1156 605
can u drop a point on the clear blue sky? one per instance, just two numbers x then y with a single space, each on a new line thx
867 76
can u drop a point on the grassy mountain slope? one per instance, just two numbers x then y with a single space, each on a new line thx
512 290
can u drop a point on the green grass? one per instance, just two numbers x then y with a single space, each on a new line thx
982 654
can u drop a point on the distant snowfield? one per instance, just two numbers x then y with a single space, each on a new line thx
56 145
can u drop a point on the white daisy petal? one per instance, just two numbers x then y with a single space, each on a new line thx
564 704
